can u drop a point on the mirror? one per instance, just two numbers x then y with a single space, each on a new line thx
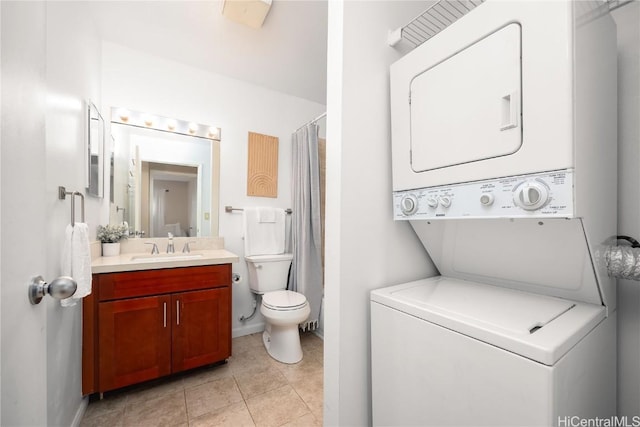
95 150
165 180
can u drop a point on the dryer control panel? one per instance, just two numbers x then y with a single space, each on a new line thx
525 196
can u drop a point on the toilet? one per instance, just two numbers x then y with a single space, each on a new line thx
282 309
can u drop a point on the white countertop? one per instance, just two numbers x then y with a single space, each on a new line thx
145 261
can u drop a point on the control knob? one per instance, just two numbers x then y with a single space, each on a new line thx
445 201
432 202
409 204
531 195
486 199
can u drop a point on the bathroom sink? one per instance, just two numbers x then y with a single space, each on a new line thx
164 257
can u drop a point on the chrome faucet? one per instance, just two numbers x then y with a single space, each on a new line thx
154 249
186 249
170 248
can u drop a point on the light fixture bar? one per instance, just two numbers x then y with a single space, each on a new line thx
166 124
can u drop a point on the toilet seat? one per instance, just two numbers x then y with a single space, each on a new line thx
283 300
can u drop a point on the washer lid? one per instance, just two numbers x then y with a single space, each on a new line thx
539 327
287 300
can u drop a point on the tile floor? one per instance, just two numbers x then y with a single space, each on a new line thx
251 389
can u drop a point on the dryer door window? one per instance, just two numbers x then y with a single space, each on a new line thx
468 107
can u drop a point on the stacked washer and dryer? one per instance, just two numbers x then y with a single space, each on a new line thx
504 163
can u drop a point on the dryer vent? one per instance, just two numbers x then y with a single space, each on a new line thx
623 262
436 18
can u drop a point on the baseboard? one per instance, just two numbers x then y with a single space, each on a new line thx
319 333
247 330
80 412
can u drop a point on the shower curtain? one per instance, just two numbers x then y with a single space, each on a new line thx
306 268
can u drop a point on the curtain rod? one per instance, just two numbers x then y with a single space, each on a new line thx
321 116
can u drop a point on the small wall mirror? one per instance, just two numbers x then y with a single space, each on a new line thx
165 175
95 151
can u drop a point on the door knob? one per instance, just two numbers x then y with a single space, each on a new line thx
60 288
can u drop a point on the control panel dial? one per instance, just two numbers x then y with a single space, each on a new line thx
445 201
432 202
409 204
531 195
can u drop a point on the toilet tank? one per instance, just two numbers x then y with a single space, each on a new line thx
268 272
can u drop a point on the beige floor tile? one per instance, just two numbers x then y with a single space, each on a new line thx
154 389
106 419
277 407
304 421
245 343
110 403
314 353
236 415
249 360
167 410
310 389
301 370
211 396
206 374
309 339
257 381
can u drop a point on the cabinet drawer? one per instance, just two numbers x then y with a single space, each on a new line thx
113 286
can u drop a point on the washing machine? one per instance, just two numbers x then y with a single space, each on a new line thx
504 164
451 352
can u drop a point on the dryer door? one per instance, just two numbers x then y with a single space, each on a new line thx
467 108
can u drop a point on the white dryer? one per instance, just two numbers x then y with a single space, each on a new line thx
504 163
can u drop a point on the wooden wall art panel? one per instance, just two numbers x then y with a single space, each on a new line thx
262 170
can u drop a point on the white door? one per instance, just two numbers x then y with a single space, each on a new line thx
467 108
23 213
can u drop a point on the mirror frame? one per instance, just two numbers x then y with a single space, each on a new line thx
94 151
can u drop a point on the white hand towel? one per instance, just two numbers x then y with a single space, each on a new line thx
263 238
267 215
76 261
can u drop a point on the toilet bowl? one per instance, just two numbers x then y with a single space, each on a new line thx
283 312
282 309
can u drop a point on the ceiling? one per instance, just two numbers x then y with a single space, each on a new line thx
288 54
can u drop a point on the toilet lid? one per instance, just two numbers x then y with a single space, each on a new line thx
286 300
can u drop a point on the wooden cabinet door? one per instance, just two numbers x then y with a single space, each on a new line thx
134 340
201 327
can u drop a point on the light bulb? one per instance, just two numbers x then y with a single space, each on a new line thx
171 124
193 127
123 114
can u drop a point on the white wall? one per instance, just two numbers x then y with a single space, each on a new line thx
365 248
628 22
142 82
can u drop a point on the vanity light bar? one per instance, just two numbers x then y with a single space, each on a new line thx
166 124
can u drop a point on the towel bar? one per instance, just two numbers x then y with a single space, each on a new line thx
229 209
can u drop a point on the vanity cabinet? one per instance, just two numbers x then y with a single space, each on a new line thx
142 325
